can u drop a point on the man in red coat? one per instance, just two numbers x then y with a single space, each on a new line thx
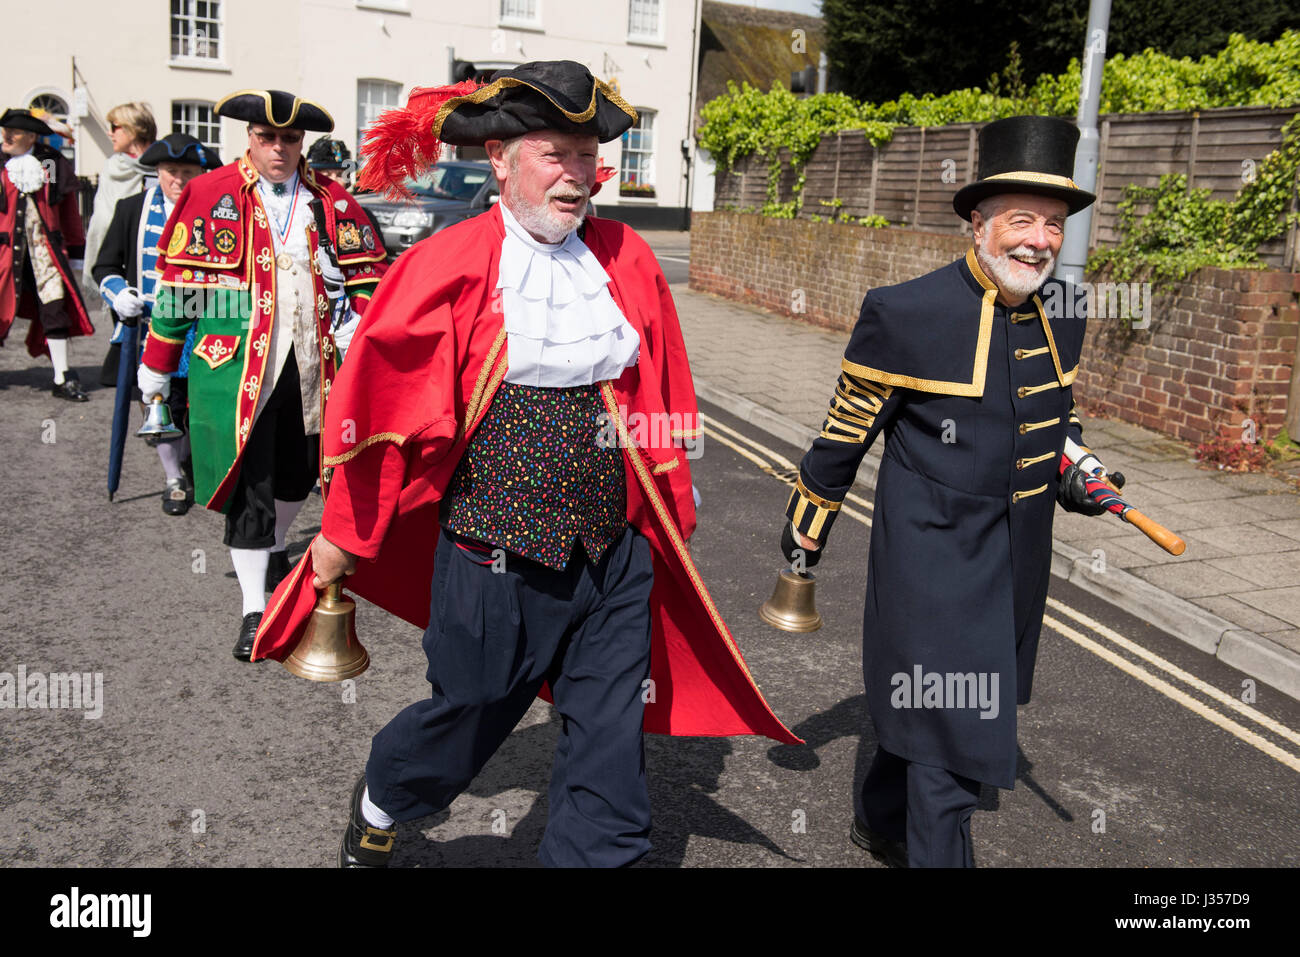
42 240
512 427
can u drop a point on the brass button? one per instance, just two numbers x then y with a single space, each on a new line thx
1023 428
1020 464
1022 391
1020 353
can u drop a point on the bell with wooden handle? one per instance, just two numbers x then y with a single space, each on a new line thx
158 421
791 607
329 649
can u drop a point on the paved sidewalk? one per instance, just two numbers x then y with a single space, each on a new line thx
1234 593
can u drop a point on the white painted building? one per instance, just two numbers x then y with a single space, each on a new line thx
356 58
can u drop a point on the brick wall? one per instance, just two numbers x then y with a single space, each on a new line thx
1220 346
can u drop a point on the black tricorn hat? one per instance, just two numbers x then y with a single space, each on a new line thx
275 108
180 148
544 95
23 120
326 153
1025 154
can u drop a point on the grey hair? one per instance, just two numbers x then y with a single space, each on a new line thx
990 206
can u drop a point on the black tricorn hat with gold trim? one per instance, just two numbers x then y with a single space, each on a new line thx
275 108
23 120
544 95
1025 154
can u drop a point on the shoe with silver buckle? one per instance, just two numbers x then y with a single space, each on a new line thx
175 498
364 845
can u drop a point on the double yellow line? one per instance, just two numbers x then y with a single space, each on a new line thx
779 467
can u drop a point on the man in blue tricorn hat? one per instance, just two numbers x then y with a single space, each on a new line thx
969 378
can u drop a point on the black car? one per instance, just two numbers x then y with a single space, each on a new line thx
453 191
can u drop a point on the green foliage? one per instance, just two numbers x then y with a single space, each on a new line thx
879 49
1183 230
1244 73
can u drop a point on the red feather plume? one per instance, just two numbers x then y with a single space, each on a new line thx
400 144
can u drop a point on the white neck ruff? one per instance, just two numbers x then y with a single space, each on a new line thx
563 328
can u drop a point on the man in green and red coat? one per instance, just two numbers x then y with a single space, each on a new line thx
243 260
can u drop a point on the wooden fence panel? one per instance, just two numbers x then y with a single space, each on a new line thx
911 180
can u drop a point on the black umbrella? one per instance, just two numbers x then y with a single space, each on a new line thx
126 366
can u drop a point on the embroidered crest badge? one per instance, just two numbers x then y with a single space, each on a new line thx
180 235
349 236
196 246
368 238
224 240
226 209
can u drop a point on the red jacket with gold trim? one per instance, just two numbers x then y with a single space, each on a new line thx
64 232
218 270
421 375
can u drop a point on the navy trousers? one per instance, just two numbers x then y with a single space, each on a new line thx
928 807
493 638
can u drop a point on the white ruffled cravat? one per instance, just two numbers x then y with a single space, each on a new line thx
563 328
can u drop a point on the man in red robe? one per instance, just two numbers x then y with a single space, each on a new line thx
42 240
512 427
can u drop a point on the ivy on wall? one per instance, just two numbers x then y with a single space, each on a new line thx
1183 230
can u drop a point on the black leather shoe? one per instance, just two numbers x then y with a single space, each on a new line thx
247 632
69 389
278 567
889 852
175 498
363 844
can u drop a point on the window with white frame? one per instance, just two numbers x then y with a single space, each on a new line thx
523 12
373 97
636 176
643 19
197 119
196 29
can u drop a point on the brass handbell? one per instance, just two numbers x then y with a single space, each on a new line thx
791 607
158 421
329 649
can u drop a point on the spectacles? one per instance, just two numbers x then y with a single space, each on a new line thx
289 138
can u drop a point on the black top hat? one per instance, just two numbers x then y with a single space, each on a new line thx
326 153
544 95
180 148
23 120
275 108
1025 154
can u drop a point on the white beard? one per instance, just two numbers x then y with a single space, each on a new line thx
26 173
1010 277
541 220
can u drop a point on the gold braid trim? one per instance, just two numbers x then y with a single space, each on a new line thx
1065 378
665 467
505 82
476 397
395 437
657 502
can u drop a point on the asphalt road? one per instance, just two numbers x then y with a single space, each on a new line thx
198 759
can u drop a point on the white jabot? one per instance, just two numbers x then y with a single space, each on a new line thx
563 328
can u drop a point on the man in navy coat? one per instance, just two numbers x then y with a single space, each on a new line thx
968 375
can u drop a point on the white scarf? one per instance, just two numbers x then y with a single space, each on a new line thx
563 328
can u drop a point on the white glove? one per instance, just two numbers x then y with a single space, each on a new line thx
152 382
343 334
128 303
331 273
